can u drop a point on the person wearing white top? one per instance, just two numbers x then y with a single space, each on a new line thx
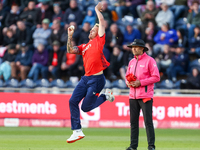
165 16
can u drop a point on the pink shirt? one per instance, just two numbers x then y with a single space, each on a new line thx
146 70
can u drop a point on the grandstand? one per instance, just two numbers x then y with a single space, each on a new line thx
27 24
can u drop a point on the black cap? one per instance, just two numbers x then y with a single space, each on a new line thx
138 42
11 46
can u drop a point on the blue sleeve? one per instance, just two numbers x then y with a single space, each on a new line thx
174 36
157 37
138 34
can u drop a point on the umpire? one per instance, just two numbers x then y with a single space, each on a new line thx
141 75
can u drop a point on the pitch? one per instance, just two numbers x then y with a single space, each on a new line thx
33 138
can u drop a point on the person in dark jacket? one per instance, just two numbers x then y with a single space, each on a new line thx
57 12
114 37
76 34
23 34
193 80
84 33
2 15
179 64
13 16
73 13
39 63
116 68
22 62
56 33
64 4
45 12
10 56
29 15
106 13
194 42
9 38
55 60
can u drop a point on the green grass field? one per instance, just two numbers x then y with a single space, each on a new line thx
32 138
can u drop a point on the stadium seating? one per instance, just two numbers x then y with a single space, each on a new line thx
58 83
12 83
43 83
73 81
166 84
108 84
27 83
119 84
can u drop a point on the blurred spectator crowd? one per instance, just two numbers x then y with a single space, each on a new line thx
33 37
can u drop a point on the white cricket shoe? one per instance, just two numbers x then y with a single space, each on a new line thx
77 135
109 95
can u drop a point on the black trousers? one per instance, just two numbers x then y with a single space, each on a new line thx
135 106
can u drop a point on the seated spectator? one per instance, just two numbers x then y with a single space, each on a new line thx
106 13
76 35
2 15
64 4
84 33
90 17
77 31
192 81
129 35
24 4
8 61
128 6
39 63
41 35
119 4
150 13
45 12
179 64
56 33
12 17
149 33
22 62
189 3
23 34
194 43
55 60
182 39
116 67
9 38
165 16
163 60
148 36
164 36
30 15
57 12
179 8
193 19
72 64
114 37
73 13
